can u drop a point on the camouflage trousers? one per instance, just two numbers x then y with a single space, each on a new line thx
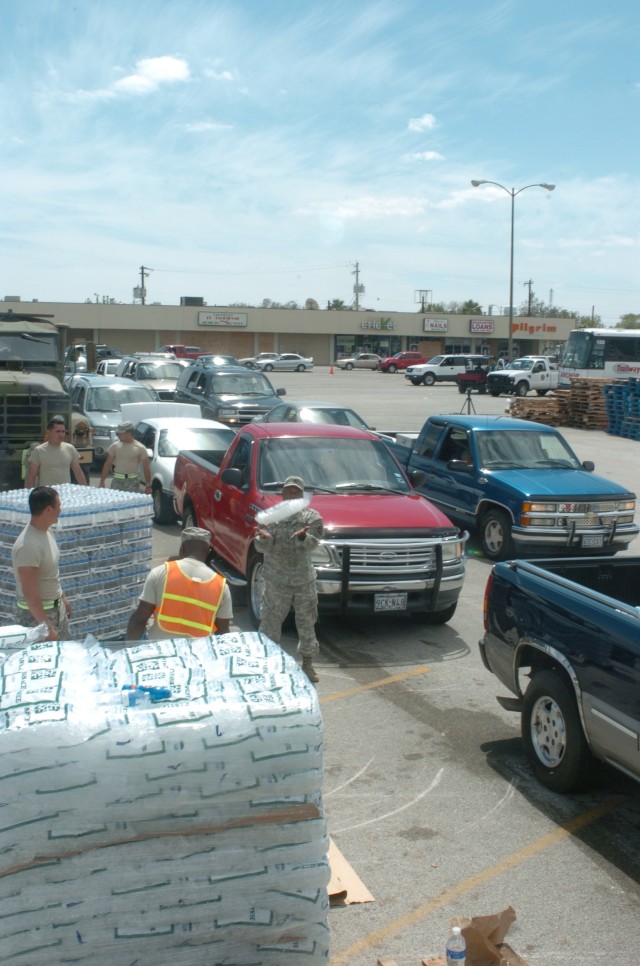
278 600
130 486
57 617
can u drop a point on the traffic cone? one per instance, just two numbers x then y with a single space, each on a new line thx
330 370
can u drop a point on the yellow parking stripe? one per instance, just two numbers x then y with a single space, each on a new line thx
338 695
480 878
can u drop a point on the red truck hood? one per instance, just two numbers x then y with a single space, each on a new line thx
385 511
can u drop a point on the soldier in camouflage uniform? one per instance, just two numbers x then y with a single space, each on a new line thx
289 575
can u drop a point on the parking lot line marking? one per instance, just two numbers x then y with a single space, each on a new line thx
480 878
338 695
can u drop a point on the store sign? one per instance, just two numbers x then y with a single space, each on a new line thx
434 325
379 324
223 319
481 326
534 328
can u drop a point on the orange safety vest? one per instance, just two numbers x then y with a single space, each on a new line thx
188 607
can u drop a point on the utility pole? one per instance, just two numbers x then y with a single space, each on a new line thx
529 284
144 273
358 289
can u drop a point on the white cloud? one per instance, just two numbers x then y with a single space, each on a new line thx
201 127
151 72
367 208
426 156
221 75
425 123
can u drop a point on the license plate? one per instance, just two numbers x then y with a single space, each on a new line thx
382 602
595 541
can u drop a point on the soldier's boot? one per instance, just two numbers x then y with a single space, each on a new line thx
309 670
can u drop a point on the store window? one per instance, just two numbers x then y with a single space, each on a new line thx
384 344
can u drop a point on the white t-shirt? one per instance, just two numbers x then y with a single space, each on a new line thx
154 585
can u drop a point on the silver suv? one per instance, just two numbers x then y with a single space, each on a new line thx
442 368
159 373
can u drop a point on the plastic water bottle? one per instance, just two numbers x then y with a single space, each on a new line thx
456 948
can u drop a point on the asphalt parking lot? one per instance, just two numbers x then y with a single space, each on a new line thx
426 788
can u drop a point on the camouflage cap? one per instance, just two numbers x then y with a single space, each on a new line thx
296 481
195 534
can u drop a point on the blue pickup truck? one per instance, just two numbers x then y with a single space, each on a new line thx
564 637
519 485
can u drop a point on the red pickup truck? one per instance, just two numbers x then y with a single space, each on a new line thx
183 351
385 547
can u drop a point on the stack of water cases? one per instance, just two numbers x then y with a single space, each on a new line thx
104 537
187 832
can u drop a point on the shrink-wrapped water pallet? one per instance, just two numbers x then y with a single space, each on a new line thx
104 537
188 832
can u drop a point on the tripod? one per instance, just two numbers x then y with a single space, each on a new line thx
468 406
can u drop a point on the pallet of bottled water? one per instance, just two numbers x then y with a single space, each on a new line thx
185 827
104 537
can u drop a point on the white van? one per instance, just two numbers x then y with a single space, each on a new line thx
442 369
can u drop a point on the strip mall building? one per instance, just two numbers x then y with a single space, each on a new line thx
323 334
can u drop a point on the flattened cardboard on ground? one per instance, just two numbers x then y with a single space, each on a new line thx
345 886
484 936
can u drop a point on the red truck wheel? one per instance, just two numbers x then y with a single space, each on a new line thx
254 587
552 734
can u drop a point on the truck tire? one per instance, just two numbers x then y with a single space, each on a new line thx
189 518
462 388
542 392
495 393
254 587
437 616
392 368
522 388
163 511
495 533
416 382
428 379
552 734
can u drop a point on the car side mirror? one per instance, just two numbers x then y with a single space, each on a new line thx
589 465
417 478
281 392
460 466
233 477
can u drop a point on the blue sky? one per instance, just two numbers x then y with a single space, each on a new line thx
252 149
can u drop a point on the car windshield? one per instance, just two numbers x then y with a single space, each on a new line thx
241 384
330 464
522 365
160 370
178 438
524 450
109 399
332 415
436 360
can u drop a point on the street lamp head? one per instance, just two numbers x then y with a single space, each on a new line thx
549 187
477 183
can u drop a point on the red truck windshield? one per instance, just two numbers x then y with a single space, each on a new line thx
330 463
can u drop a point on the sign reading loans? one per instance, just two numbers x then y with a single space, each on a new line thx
223 319
435 325
484 326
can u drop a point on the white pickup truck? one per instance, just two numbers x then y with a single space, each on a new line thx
521 375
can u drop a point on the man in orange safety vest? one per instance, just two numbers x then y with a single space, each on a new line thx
187 598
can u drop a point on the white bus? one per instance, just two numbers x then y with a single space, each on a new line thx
600 354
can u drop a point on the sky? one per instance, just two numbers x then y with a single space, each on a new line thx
242 150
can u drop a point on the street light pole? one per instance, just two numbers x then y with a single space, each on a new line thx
512 192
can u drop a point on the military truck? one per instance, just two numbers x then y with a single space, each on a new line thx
31 392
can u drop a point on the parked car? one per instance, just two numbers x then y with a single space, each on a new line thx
360 360
520 485
182 351
285 362
231 394
107 367
166 436
262 356
99 399
401 360
312 411
443 368
214 359
75 357
159 373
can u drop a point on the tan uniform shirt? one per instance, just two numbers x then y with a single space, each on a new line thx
38 548
54 462
127 456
